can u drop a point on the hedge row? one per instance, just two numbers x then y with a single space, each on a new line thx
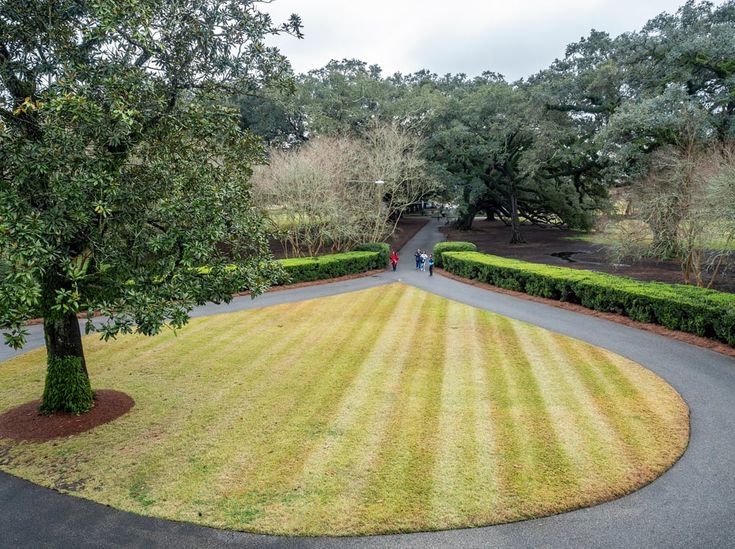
381 247
442 247
308 269
690 309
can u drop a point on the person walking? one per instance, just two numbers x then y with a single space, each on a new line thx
394 257
424 258
431 264
417 255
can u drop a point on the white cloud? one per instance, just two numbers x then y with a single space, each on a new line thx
513 37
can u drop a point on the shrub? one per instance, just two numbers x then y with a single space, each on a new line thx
690 309
442 247
67 388
307 269
381 247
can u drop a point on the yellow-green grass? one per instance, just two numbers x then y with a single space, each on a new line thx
385 410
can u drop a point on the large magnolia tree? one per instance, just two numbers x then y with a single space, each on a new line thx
123 176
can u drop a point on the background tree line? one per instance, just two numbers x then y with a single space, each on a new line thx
626 112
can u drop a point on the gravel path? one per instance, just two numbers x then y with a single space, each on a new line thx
690 506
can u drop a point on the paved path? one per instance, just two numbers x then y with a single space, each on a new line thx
692 505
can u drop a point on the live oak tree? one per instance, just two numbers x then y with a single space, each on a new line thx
574 99
344 97
123 174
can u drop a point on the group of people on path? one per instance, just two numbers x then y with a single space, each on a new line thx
424 261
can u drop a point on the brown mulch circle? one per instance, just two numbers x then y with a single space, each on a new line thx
24 423
692 339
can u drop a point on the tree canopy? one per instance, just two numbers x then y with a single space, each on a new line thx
123 171
588 122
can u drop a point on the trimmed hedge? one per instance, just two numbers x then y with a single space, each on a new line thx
308 269
690 309
381 247
442 247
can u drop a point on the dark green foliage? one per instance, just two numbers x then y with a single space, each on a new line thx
381 247
123 167
67 387
689 309
442 247
307 269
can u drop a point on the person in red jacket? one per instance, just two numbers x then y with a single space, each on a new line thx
394 259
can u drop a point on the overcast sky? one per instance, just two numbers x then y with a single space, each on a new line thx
513 37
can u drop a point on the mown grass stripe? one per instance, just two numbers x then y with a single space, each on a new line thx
208 459
604 446
142 434
616 401
278 358
297 425
161 470
462 486
142 347
400 487
286 363
487 464
663 409
654 434
361 413
544 465
337 470
561 410
656 413
510 450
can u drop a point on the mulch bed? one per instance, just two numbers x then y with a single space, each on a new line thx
493 237
692 339
24 423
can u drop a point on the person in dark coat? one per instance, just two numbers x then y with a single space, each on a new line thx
418 259
431 264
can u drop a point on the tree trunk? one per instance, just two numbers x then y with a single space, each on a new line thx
515 223
64 339
67 387
465 219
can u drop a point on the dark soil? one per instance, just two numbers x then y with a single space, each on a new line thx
25 423
550 245
405 230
